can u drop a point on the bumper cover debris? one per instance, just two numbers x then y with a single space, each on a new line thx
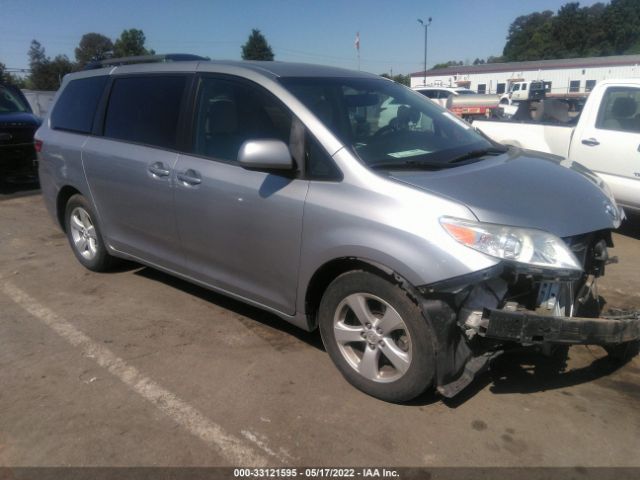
529 328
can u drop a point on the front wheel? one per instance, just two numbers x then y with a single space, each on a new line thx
377 337
623 352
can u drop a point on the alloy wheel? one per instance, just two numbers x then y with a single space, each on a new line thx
372 337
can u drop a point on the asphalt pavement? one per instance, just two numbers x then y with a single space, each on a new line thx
138 368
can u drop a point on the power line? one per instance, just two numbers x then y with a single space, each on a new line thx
350 59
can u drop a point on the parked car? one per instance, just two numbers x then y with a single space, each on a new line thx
17 126
605 139
420 250
440 95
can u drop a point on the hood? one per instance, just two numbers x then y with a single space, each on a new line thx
18 119
524 189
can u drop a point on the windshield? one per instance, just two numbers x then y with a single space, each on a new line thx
386 124
11 101
465 92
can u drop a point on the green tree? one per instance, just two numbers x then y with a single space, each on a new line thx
257 47
595 24
399 78
495 59
131 44
576 31
37 55
46 74
622 24
529 38
92 46
9 78
450 63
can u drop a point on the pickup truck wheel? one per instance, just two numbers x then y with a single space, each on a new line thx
84 235
624 351
377 337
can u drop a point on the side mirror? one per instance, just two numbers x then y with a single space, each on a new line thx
265 155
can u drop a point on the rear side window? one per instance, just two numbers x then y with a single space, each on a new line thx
76 107
145 110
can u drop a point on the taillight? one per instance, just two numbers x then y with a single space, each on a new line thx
38 145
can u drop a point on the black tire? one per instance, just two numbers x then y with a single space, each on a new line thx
419 375
101 261
623 352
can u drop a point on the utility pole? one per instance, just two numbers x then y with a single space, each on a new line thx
426 26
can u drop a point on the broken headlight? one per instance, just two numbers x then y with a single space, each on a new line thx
522 245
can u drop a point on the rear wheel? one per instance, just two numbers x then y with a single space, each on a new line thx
377 337
84 235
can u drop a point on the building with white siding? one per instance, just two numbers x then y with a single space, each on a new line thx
572 76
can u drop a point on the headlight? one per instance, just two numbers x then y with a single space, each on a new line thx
523 245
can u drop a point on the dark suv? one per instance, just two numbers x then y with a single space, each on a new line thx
17 126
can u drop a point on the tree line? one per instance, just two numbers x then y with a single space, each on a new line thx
571 32
46 73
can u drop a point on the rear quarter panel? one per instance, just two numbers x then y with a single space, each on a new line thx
60 165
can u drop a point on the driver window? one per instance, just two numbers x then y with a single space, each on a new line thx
228 113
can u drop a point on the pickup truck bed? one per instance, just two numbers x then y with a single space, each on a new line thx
548 138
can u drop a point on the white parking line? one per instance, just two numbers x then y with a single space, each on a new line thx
233 449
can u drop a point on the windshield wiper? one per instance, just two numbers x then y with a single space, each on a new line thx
407 165
477 154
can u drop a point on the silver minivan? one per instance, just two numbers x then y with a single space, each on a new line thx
418 247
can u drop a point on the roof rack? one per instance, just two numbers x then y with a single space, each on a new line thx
169 57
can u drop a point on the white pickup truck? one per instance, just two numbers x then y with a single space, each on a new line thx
605 139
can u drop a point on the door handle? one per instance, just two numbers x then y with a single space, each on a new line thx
190 177
157 169
590 142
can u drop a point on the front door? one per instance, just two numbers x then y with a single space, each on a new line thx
240 230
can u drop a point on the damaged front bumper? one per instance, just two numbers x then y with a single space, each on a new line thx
528 328
478 316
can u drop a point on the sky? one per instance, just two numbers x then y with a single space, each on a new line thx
320 31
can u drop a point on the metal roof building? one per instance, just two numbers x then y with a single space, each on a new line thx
567 76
